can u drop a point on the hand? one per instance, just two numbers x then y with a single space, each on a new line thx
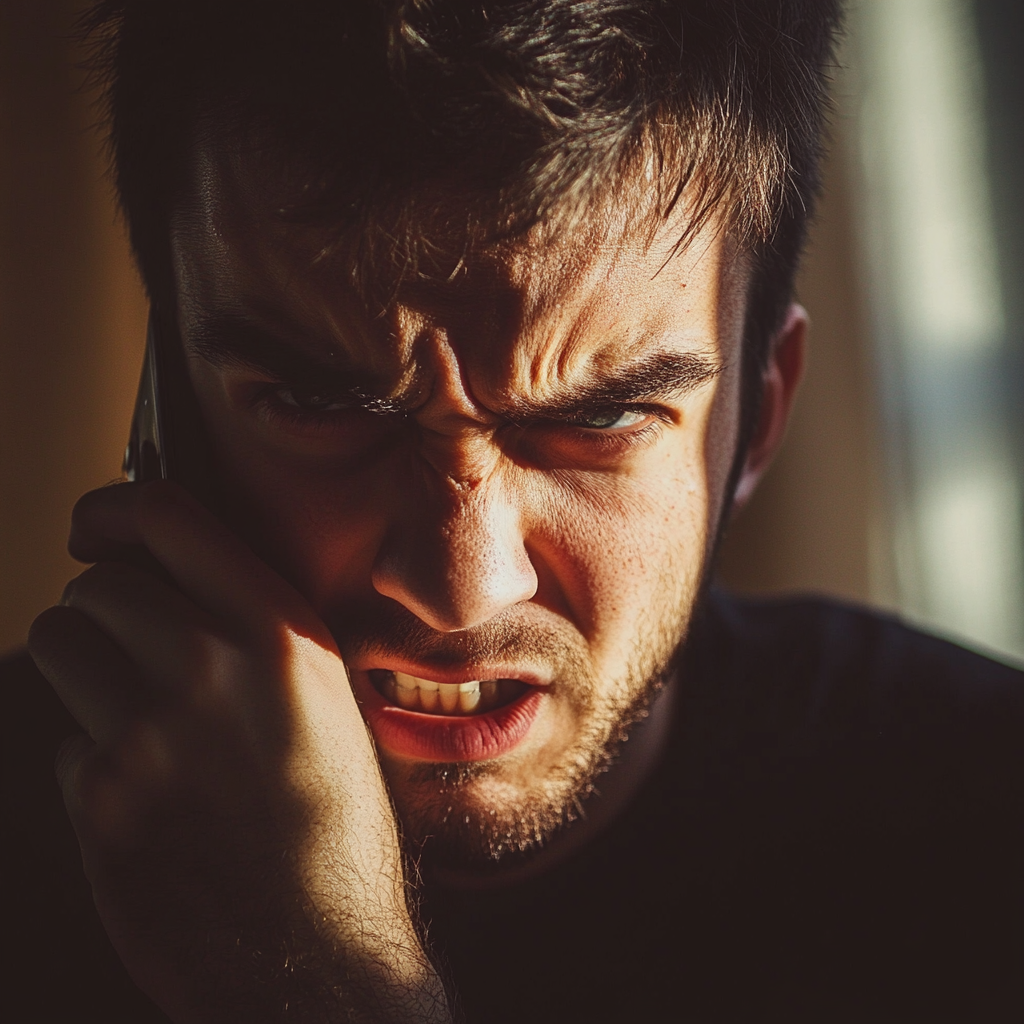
233 820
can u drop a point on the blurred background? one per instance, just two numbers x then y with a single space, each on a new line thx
901 483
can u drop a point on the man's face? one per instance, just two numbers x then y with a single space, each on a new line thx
508 480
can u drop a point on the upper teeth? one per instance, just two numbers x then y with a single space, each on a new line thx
417 694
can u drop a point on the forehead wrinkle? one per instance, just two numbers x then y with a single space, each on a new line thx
558 284
573 352
562 315
559 290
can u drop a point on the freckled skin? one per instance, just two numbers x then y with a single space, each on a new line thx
462 522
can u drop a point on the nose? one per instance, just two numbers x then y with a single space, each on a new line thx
457 559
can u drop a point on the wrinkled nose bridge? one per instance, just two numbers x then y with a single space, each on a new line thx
459 448
455 434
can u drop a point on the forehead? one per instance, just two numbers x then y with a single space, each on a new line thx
529 313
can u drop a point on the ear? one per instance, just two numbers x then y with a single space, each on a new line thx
782 376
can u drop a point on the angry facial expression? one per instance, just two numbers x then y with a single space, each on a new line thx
499 489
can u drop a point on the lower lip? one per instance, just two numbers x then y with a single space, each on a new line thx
441 738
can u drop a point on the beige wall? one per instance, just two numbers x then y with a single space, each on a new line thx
71 314
72 321
817 522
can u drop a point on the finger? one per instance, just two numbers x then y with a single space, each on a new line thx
92 794
110 796
207 561
94 679
162 632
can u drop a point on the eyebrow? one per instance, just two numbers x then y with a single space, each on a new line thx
659 376
236 340
232 340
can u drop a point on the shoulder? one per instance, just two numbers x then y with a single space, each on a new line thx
840 667
840 713
847 637
873 778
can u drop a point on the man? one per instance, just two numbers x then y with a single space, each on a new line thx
419 706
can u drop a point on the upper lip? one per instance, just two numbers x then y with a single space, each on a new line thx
450 673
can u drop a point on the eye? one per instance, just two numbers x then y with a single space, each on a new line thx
308 400
611 419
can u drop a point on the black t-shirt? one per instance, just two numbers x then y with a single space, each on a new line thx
835 834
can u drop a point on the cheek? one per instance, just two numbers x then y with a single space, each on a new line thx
319 530
624 549
317 524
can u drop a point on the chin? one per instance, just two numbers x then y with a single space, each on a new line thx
482 815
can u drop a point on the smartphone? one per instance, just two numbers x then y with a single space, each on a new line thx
167 440
145 457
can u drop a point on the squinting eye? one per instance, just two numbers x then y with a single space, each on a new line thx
611 419
307 400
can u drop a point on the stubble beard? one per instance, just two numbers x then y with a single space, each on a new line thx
472 816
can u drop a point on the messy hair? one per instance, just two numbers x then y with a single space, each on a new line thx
428 126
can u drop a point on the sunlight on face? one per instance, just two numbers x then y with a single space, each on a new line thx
509 477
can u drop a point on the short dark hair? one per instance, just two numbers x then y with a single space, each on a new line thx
531 108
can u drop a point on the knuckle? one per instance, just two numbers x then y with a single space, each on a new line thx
117 791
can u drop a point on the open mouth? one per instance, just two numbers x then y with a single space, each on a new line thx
476 697
459 720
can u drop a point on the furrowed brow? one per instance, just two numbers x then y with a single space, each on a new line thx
661 376
235 341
